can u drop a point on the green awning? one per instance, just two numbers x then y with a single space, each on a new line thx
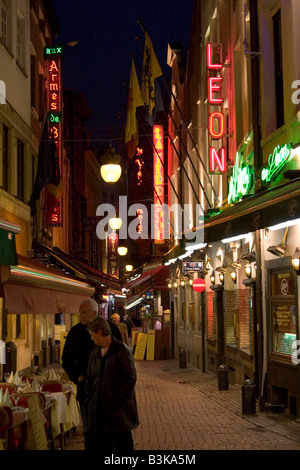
270 207
8 252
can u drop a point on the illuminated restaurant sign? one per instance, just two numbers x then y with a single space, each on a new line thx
112 255
216 119
241 181
158 171
276 162
54 108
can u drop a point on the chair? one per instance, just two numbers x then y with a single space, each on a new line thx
5 423
5 385
23 399
52 386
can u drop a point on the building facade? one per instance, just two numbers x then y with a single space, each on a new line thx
240 161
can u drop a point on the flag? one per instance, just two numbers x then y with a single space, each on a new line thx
151 71
134 101
48 166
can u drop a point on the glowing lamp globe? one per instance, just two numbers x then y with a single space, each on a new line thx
115 223
129 267
110 173
111 169
122 250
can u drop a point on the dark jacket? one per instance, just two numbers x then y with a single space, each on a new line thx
76 352
110 395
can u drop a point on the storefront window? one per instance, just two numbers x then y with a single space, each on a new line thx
283 311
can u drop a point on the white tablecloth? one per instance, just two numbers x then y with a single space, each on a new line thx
64 411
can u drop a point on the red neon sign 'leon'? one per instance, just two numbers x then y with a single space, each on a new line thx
216 120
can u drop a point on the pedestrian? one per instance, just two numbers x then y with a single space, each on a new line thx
122 327
77 349
110 395
157 325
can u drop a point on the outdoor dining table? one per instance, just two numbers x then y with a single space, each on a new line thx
64 410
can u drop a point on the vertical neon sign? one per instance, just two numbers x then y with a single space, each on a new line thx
216 120
158 174
54 107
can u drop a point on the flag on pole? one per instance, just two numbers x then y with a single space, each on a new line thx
134 101
151 71
48 166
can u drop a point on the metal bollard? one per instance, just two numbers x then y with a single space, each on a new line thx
248 398
223 377
182 359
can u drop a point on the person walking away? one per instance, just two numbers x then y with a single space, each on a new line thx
122 327
110 395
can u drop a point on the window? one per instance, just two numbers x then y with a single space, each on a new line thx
4 20
5 158
21 42
278 69
283 311
20 159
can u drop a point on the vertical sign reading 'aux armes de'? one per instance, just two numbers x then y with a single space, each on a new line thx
54 108
158 172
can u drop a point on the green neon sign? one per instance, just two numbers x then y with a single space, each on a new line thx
54 51
276 162
240 182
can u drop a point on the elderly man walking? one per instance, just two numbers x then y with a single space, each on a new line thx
122 327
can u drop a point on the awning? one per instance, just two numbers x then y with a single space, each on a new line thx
34 288
80 269
8 252
273 206
158 274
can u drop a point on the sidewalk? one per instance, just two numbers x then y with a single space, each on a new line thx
182 409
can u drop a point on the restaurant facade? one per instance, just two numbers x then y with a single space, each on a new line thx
241 136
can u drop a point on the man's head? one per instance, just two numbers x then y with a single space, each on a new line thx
115 318
100 331
88 310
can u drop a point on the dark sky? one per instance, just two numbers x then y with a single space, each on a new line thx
101 62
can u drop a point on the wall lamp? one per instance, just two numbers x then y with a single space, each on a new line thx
129 268
212 278
248 270
221 277
296 261
175 284
182 283
233 276
122 250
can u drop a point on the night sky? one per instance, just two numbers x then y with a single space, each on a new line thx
101 62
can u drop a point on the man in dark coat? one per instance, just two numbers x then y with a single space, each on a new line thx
110 396
77 349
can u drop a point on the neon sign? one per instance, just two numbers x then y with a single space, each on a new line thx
54 51
241 181
54 107
276 161
112 258
216 119
158 174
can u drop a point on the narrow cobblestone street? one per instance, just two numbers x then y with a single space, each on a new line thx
182 409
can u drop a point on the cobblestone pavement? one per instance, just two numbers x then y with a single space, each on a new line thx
182 409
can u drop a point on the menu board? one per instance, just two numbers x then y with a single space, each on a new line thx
140 348
150 345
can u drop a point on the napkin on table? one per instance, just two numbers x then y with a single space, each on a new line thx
35 386
27 388
6 399
17 379
11 378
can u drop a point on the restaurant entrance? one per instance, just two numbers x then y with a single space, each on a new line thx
283 329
